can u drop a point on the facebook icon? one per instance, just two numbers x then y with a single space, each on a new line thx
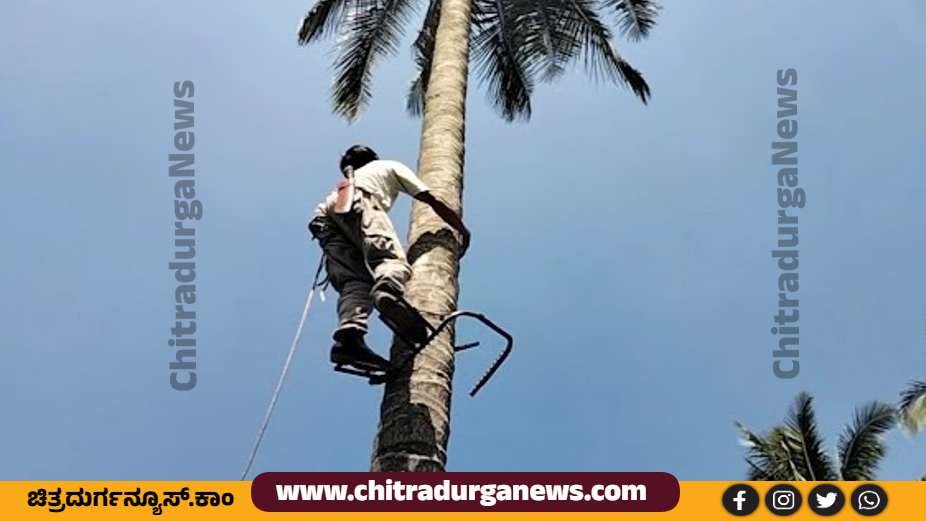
740 499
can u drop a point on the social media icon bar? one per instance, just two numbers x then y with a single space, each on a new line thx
826 500
740 499
783 500
869 500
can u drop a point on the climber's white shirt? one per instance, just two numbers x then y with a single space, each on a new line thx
382 179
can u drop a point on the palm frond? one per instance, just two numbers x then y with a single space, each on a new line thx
805 443
783 441
758 455
424 55
548 42
516 41
372 30
501 59
635 17
912 407
769 457
861 446
513 43
599 54
322 19
755 473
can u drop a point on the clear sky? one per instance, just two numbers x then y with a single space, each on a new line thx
626 247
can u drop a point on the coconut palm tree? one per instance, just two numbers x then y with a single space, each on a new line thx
514 44
795 450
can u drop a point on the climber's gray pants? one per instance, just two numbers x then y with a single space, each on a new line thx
355 244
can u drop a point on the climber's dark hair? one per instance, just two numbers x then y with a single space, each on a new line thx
357 156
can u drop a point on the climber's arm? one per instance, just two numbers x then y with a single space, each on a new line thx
449 216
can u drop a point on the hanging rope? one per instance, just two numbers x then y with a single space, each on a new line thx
286 364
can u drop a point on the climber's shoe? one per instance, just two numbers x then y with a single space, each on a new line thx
350 349
403 319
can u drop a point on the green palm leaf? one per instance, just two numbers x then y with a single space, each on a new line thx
547 39
767 457
372 29
423 54
805 443
502 61
599 55
861 446
635 17
323 19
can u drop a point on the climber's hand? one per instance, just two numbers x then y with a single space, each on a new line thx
449 216
464 242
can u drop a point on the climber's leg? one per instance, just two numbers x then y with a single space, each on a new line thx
382 248
349 276
347 273
386 258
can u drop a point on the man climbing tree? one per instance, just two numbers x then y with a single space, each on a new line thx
513 46
365 261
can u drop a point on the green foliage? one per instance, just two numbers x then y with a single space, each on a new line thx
514 45
795 450
861 445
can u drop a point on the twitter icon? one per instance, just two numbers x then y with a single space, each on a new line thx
826 500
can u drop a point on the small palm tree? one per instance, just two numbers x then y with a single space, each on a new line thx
795 450
514 44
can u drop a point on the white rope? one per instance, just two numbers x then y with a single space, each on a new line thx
279 386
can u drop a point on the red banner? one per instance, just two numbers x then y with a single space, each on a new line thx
465 492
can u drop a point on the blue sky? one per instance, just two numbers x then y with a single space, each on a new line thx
626 247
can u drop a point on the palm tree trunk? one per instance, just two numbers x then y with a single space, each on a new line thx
414 422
